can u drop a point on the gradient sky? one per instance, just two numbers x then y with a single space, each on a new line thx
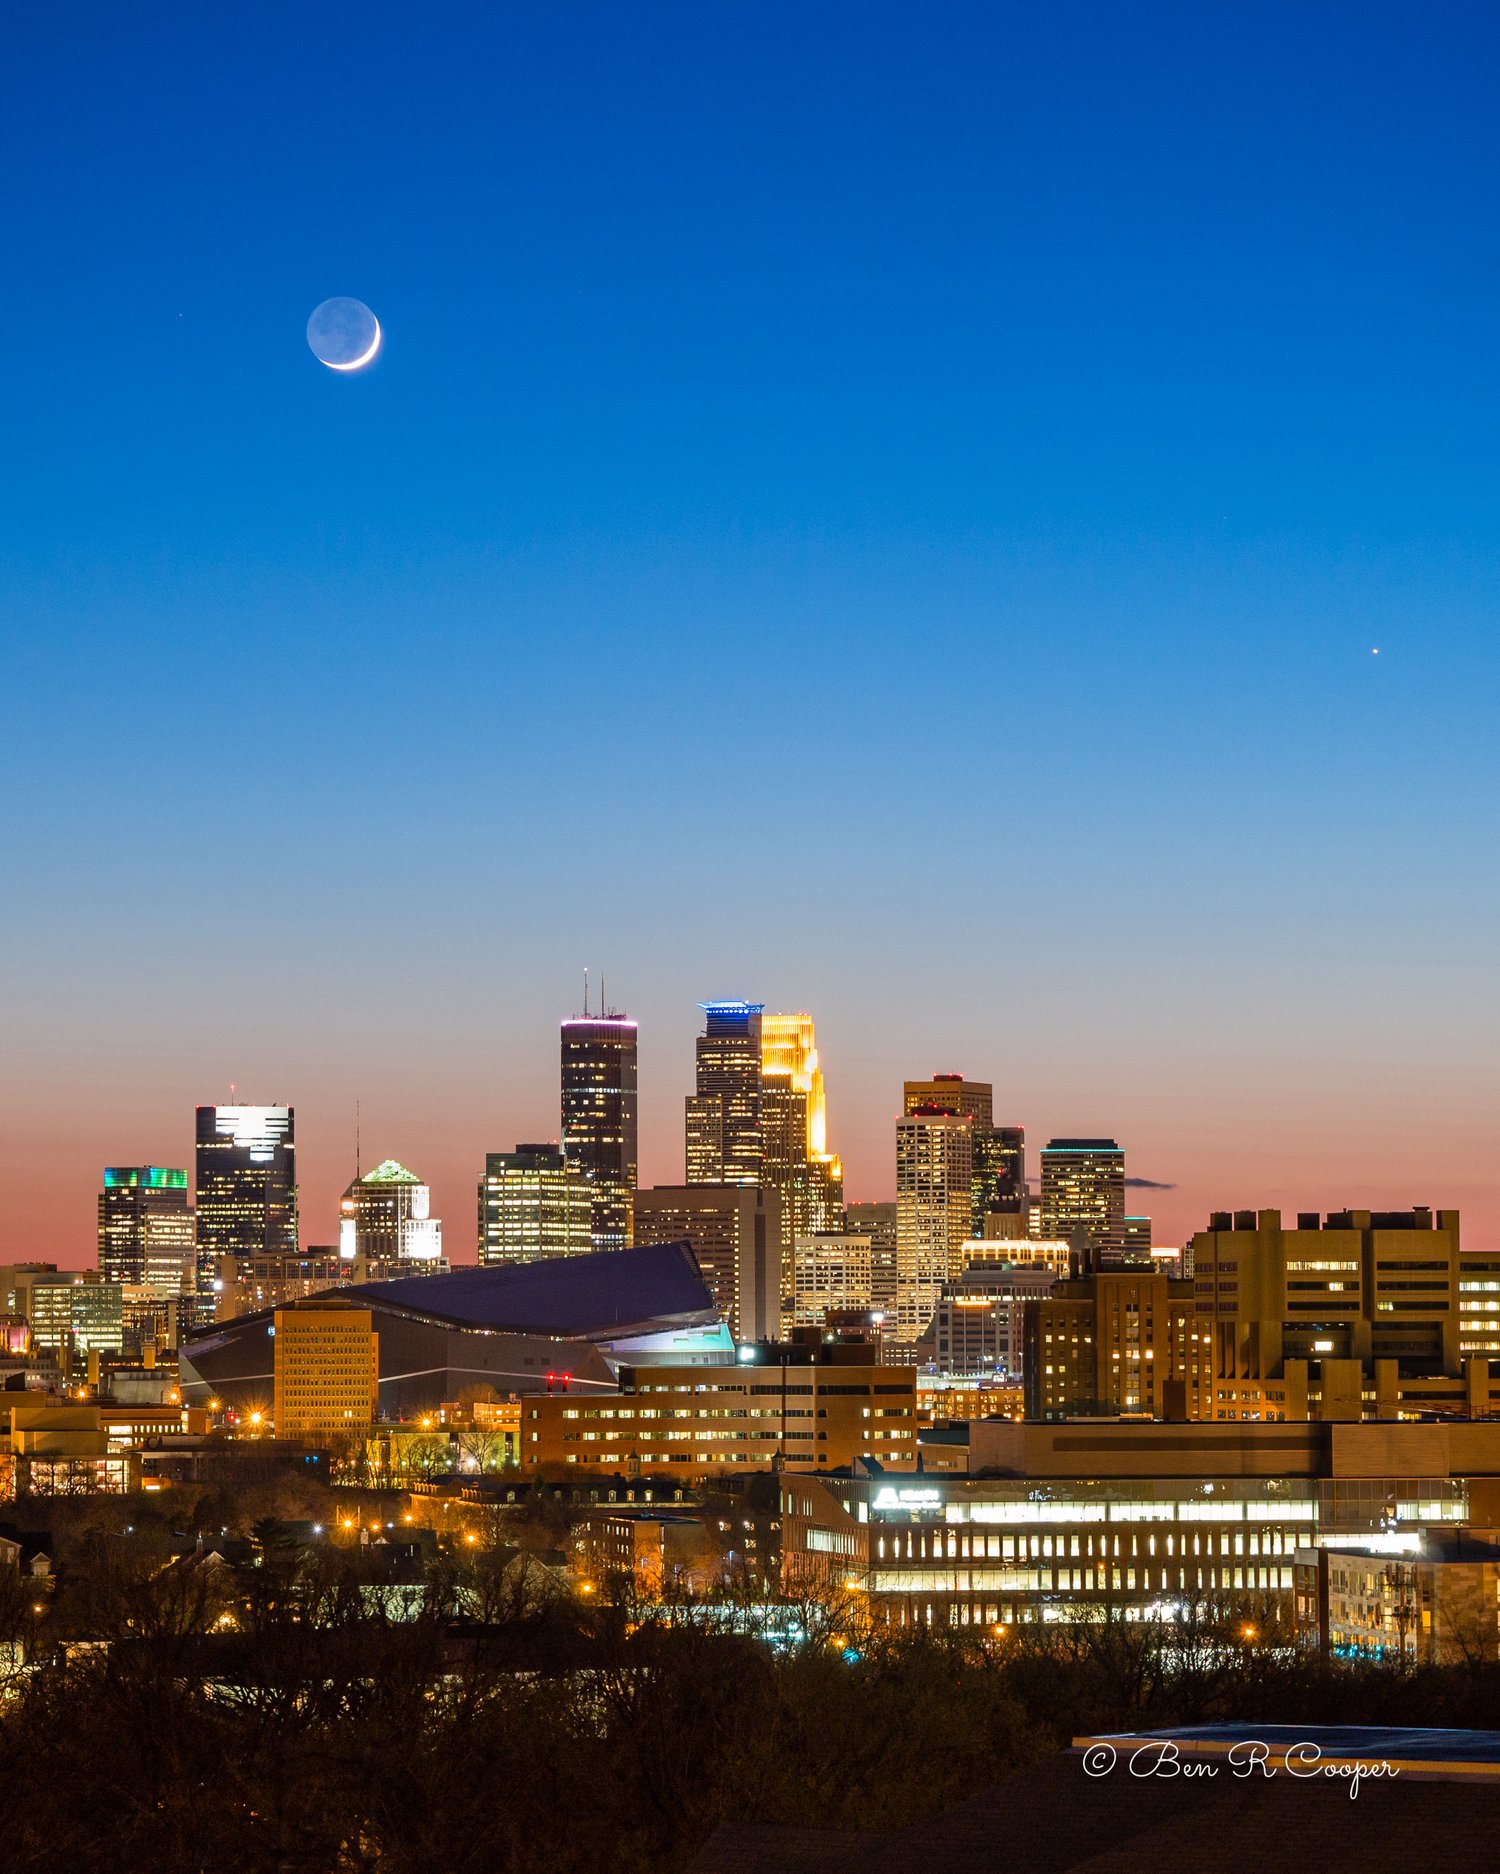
887 510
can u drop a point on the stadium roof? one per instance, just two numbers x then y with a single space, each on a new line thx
593 1297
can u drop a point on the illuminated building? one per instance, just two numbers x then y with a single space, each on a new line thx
795 1158
800 1405
976 1328
951 1093
386 1226
934 1182
877 1223
999 1204
247 1185
735 1231
518 1327
1113 1343
724 1143
831 1270
1083 1198
325 1371
1478 1304
147 1232
533 1203
43 1296
96 1317
1429 1602
599 1119
1138 1239
1355 1314
1139 1519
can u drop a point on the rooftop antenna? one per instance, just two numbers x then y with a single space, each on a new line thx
585 991
603 999
356 1141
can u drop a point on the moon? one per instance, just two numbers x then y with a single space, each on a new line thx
343 334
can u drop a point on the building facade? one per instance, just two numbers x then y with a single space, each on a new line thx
934 1180
246 1175
1122 1341
533 1204
1126 1520
724 1142
325 1372
386 1225
799 1405
599 1119
877 1222
736 1232
976 1331
831 1270
1083 1199
147 1230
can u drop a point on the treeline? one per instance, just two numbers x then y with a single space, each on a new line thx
274 1720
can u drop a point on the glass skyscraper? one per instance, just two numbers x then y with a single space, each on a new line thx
599 1119
724 1140
247 1186
1083 1199
146 1228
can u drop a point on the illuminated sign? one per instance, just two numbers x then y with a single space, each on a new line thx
907 1499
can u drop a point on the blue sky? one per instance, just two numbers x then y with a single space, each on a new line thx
886 510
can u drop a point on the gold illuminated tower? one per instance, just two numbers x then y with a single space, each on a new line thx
794 1126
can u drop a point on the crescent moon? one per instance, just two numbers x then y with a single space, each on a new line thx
354 364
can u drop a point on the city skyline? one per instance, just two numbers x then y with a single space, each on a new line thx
862 1114
1005 501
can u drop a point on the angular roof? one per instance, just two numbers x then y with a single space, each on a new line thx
389 1172
594 1297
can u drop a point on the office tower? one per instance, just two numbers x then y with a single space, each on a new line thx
934 1191
723 1116
96 1318
951 1093
147 1232
386 1226
794 1120
1122 1340
735 1231
533 1203
999 1202
1354 1314
830 1270
325 1372
247 1186
599 1119
877 1223
976 1331
1137 1239
1083 1198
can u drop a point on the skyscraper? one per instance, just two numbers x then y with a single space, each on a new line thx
736 1233
999 1193
599 1119
951 1093
247 1186
1083 1198
934 1202
147 1231
877 1223
724 1142
533 1203
386 1224
794 1125
795 1159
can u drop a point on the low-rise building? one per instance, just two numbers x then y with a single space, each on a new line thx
1430 1597
1073 1521
805 1404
